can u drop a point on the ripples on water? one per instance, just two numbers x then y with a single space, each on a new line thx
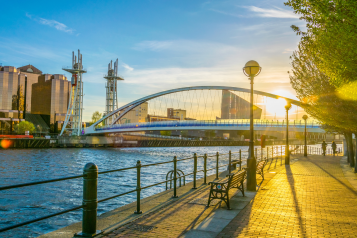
22 166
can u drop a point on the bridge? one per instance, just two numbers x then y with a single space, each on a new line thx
259 125
207 120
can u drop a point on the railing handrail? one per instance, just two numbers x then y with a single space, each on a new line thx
137 189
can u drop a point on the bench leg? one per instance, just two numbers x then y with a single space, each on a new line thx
227 202
209 199
242 189
262 173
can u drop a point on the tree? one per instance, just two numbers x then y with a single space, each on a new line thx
325 72
24 126
96 116
330 38
320 98
165 133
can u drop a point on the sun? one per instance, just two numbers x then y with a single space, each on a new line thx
275 108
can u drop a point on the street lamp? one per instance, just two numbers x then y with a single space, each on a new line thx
251 69
305 146
287 153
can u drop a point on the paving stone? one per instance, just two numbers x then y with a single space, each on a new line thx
311 198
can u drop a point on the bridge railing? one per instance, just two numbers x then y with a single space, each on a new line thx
91 173
205 123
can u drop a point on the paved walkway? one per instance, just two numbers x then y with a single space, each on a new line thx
184 216
310 198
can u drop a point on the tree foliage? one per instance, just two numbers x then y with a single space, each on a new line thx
24 126
165 133
331 37
324 66
96 116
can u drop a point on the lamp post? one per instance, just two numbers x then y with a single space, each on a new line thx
287 153
305 146
251 69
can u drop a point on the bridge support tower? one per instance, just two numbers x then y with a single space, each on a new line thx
75 105
111 100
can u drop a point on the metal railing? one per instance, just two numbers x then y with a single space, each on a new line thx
200 123
90 181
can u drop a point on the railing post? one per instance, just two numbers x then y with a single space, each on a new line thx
194 170
256 152
217 155
272 153
240 160
138 188
267 157
175 177
230 162
205 169
261 153
90 201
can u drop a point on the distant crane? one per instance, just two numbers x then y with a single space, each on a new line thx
75 105
111 101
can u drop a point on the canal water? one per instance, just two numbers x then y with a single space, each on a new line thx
28 165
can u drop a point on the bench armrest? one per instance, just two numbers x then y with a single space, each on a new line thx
229 175
217 182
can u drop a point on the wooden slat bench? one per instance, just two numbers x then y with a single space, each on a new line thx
220 189
260 168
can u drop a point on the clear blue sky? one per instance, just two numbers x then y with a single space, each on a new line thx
160 44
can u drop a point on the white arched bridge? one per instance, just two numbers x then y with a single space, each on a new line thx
114 120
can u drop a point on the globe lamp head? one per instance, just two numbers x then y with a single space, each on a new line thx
288 106
304 117
251 68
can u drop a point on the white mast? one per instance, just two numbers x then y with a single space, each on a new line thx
75 104
111 101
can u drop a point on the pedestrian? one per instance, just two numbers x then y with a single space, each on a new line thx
324 145
334 147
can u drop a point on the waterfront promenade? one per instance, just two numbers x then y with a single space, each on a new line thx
311 198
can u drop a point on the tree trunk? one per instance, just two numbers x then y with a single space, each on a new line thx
356 153
347 146
350 149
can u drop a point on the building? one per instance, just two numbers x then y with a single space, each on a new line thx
136 115
50 97
27 94
235 107
176 113
12 93
30 74
153 118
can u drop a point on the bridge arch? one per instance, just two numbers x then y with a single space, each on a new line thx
126 108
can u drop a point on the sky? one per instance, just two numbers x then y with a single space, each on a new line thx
160 44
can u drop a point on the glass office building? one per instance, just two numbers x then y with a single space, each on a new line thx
235 107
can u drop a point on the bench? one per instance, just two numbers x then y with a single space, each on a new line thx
260 168
220 189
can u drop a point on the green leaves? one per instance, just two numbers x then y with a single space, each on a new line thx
325 65
24 126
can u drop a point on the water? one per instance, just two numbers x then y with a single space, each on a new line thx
22 166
